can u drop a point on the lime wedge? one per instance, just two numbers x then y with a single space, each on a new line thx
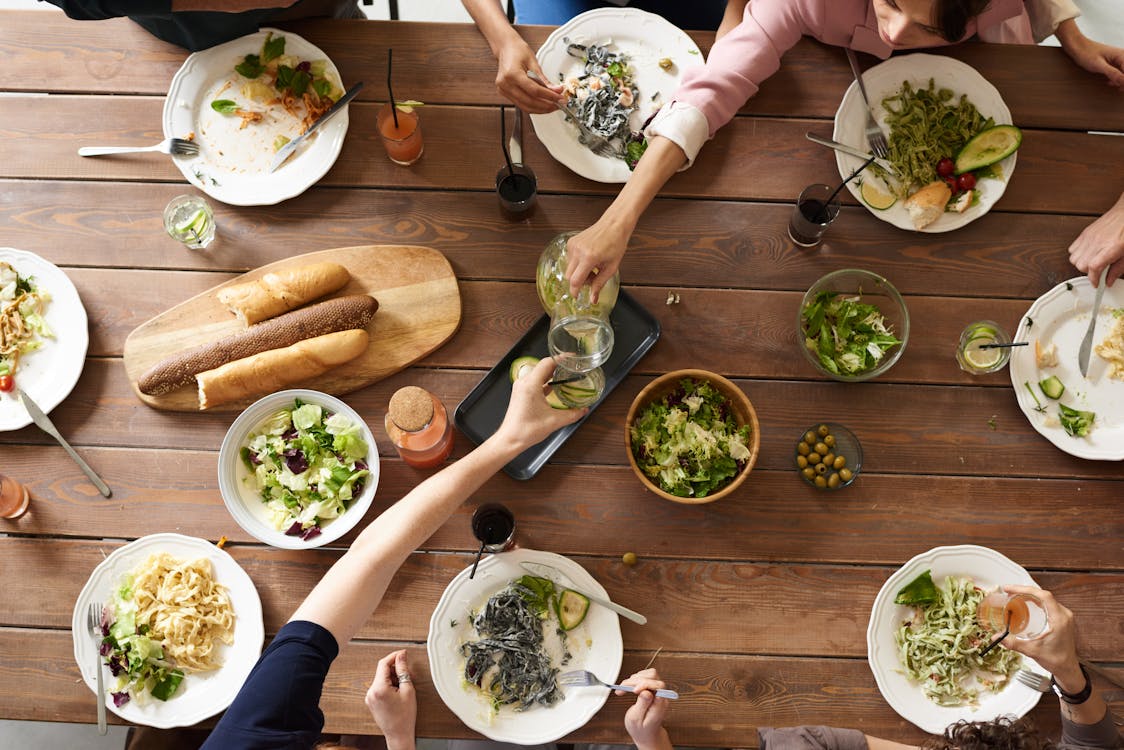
876 195
982 358
193 224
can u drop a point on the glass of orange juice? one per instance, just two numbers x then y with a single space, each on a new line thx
402 138
1027 615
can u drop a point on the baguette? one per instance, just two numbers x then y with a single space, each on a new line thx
280 291
340 314
275 369
927 204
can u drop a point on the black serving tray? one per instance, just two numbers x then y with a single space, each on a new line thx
479 415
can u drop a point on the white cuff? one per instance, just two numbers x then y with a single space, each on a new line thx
1047 15
683 125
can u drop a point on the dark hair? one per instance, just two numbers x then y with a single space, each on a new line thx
1003 733
952 16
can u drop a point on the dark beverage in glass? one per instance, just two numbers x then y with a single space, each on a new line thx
812 215
517 189
494 525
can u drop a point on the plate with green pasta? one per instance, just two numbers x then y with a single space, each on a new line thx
925 656
929 107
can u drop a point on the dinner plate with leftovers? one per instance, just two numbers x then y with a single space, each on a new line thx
617 66
1083 416
497 642
242 102
923 640
951 138
43 335
181 626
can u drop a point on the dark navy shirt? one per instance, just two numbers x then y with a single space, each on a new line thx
279 705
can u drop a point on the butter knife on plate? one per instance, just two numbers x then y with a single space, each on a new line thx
288 149
45 424
554 574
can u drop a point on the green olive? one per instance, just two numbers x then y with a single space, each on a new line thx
628 558
814 458
839 462
821 448
808 472
801 461
845 475
829 441
823 430
821 468
833 481
809 437
821 482
829 459
803 449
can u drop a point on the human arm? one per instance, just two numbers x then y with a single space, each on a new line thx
644 720
515 58
1093 56
731 17
96 10
1101 244
393 702
351 590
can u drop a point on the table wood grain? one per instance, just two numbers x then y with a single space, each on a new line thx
759 603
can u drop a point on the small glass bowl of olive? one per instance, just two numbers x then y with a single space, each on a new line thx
828 456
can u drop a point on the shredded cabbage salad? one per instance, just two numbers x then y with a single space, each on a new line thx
939 647
22 324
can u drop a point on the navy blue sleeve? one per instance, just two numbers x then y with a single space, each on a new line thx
279 705
97 10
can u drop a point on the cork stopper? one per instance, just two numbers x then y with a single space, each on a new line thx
411 408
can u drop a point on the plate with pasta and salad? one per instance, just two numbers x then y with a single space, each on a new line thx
181 629
43 335
930 108
925 655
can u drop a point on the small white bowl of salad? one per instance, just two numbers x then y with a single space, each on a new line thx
298 469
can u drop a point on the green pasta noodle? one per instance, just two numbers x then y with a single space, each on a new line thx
940 647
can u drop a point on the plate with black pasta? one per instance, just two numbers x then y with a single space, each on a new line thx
509 693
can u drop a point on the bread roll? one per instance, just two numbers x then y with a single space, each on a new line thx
280 291
339 314
275 369
927 204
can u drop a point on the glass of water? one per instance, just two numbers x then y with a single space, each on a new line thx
190 220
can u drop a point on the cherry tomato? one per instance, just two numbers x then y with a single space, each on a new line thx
7 383
945 167
951 182
966 181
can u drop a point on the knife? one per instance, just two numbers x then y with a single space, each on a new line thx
849 150
548 571
287 150
1087 343
40 419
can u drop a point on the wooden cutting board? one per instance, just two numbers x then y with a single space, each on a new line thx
419 310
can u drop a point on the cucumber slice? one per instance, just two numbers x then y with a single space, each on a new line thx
988 147
572 608
1052 387
521 366
554 401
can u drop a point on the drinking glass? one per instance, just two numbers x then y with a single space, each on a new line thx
402 140
189 219
1028 616
579 389
517 190
812 215
493 525
975 360
580 337
14 498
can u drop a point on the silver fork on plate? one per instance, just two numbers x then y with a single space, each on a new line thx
1033 680
874 135
173 146
596 143
93 623
585 678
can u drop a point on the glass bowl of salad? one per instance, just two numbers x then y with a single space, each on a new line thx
852 325
298 469
692 436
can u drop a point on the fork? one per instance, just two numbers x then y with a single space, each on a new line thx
1033 680
596 143
585 678
874 135
93 622
173 146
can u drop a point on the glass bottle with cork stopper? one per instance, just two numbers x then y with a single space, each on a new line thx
419 427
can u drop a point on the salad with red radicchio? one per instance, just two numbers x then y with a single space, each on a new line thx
308 466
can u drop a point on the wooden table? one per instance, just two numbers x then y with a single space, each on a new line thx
759 602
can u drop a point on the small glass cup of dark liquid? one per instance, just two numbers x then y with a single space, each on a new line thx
517 189
812 215
494 525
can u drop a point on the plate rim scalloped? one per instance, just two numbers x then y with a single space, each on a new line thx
290 181
920 711
249 629
935 65
70 343
447 678
559 138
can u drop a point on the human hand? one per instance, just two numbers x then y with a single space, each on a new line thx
1101 244
594 254
392 701
529 417
529 94
1090 55
644 720
1056 649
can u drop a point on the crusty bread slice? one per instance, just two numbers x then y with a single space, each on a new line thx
280 291
927 204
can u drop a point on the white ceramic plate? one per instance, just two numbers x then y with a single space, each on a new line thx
238 487
645 38
202 694
48 374
885 79
233 164
541 724
988 569
1061 317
